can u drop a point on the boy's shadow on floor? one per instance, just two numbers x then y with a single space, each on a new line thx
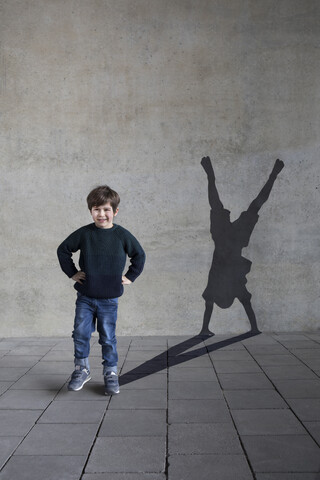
175 356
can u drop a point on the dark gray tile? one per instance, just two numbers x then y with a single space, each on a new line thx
7 447
8 374
314 429
193 438
19 361
126 423
307 409
288 372
198 411
4 386
236 366
58 356
275 349
17 423
40 382
313 363
245 399
245 381
146 355
267 422
139 399
52 368
187 361
194 390
74 412
43 467
26 399
58 439
127 454
265 360
229 355
38 350
123 476
287 476
299 388
90 391
282 453
204 467
145 367
143 381
205 374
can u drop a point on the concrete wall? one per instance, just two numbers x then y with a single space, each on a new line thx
133 93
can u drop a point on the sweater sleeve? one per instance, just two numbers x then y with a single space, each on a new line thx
136 254
70 245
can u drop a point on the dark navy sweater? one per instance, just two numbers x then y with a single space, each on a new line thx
103 254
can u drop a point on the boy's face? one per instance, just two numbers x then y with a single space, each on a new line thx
103 215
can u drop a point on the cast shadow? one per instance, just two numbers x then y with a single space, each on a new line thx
227 275
175 356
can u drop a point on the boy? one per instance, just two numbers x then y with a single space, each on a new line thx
103 249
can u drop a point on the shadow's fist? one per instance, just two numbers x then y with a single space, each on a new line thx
278 166
206 164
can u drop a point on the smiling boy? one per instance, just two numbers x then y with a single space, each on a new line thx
104 247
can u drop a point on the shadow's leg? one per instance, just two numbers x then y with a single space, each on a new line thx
206 320
246 302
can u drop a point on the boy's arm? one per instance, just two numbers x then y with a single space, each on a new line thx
137 258
65 251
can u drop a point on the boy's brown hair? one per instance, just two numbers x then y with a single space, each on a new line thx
101 195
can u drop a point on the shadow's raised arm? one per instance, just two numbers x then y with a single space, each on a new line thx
214 199
263 196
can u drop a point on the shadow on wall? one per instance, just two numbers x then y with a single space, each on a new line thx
227 275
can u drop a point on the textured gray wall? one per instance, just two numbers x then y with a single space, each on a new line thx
133 93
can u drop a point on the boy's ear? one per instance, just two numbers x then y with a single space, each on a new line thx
115 213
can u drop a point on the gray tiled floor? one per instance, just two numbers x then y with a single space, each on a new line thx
224 407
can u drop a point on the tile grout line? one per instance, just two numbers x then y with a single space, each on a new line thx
276 389
234 425
100 424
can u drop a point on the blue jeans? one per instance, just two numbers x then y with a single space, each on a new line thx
88 311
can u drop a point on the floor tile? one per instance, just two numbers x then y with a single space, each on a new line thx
74 412
204 467
265 360
139 399
123 476
299 388
236 366
307 409
8 374
194 390
7 447
198 411
19 360
206 374
125 423
244 381
17 423
288 372
40 382
26 399
267 422
282 453
143 381
314 429
43 467
217 438
127 454
245 399
58 439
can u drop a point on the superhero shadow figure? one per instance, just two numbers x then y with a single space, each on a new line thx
227 276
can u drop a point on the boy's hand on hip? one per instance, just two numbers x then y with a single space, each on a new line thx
125 281
79 277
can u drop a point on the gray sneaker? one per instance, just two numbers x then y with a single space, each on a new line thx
111 383
79 377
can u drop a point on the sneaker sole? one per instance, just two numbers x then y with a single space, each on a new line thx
108 394
77 389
